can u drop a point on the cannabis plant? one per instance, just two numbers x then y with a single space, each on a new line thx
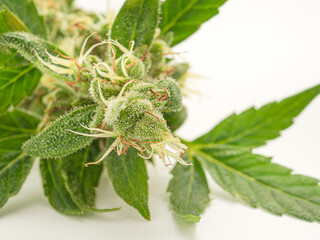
87 93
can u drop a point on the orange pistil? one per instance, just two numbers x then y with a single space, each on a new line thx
108 81
162 97
134 63
158 119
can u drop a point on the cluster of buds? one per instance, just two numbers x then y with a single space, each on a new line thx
131 100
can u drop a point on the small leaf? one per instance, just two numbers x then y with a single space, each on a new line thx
16 82
137 20
29 46
26 11
175 119
189 190
185 17
57 140
10 22
15 128
261 183
69 185
252 128
128 175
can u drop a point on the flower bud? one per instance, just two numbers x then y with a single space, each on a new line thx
101 90
174 101
130 67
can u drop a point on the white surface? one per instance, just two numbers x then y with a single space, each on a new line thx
254 52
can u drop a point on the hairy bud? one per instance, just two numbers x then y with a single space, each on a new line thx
130 67
174 102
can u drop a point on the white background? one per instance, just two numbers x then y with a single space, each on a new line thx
253 52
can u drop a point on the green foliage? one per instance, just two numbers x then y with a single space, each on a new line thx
29 46
16 82
261 183
128 175
9 22
137 20
186 16
69 186
26 12
189 190
139 103
226 153
57 140
252 128
175 119
17 78
15 128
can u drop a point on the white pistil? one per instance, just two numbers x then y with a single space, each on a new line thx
113 145
105 102
82 48
57 69
123 65
68 63
110 75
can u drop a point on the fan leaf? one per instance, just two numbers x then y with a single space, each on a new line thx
69 186
26 12
253 127
15 128
184 17
137 20
261 183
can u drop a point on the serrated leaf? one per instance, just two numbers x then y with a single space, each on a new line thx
137 20
69 185
189 190
57 140
253 127
26 11
10 22
16 83
128 175
184 17
28 46
261 183
15 128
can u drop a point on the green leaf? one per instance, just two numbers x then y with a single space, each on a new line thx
15 128
261 183
16 82
175 119
9 58
26 11
69 185
184 17
189 190
28 45
18 78
128 175
254 127
57 140
137 20
9 22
